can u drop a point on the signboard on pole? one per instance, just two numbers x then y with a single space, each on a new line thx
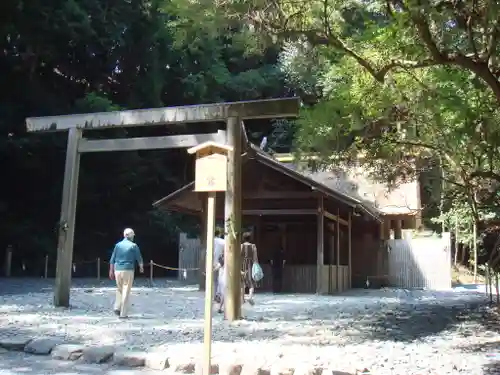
210 176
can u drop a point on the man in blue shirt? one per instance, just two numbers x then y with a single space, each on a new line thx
121 268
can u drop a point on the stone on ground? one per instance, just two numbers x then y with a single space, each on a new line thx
42 345
157 361
67 352
282 370
130 359
388 330
231 369
14 342
214 368
255 370
97 354
183 367
308 370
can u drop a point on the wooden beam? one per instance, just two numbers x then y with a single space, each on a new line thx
67 221
349 246
385 227
279 212
320 244
398 225
336 218
255 109
232 216
244 135
150 143
279 195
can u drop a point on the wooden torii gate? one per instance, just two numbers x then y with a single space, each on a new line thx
231 113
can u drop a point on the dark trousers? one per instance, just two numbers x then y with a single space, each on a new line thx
277 279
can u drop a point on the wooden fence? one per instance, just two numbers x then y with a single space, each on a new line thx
189 258
420 262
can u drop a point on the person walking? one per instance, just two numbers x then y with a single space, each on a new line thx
219 244
221 282
121 268
249 257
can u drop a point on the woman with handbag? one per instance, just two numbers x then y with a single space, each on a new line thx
249 258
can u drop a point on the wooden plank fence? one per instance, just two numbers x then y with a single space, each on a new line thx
189 258
420 262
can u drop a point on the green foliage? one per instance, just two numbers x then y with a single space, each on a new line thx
405 88
414 122
405 35
93 102
459 219
80 56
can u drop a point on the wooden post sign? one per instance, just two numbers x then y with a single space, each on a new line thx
210 176
211 166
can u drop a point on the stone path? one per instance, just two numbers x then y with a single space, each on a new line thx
391 332
13 363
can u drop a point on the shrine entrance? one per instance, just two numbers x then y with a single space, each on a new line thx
233 114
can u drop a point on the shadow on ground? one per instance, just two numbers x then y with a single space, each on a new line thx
19 286
172 313
397 322
489 349
492 368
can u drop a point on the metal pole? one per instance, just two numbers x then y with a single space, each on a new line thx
151 272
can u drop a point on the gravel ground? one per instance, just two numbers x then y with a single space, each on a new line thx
388 331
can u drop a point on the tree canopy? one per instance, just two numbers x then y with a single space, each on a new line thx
409 88
81 56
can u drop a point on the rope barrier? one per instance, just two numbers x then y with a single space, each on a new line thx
99 262
173 268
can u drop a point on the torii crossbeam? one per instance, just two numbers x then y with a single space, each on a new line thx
231 113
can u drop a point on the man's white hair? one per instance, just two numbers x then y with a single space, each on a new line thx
128 233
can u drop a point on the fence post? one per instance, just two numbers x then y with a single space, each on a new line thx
46 269
496 284
151 272
8 261
486 278
98 269
490 281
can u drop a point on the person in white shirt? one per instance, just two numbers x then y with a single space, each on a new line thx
221 282
219 244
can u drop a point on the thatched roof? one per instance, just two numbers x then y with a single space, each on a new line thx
404 199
